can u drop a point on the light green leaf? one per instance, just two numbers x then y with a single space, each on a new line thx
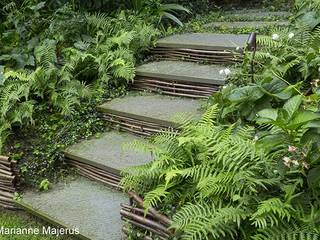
247 93
302 118
292 105
267 115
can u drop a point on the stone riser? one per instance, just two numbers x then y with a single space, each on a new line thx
173 88
134 126
190 55
97 174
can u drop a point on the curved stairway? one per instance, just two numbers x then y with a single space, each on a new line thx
178 84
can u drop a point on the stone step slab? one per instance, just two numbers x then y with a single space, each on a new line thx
146 113
103 158
256 14
179 78
257 25
182 72
205 41
79 203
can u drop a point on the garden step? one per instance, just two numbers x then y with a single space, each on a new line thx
203 47
103 158
256 14
79 203
146 113
247 24
179 78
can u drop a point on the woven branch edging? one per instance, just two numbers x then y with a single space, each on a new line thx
8 182
153 222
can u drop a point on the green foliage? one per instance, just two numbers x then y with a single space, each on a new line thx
249 169
46 61
44 185
225 181
307 13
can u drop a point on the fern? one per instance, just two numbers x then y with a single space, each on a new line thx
202 221
270 212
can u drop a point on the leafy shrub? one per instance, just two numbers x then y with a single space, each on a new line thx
46 61
307 13
227 181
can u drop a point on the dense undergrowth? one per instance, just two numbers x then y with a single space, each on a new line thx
57 62
249 169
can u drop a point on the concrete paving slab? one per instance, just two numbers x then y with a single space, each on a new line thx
150 107
205 41
182 71
108 153
80 203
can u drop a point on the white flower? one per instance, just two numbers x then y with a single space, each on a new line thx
305 165
290 35
227 71
224 87
295 162
238 48
292 149
275 37
287 161
256 138
221 72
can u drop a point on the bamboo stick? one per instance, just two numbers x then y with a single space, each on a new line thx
136 132
8 206
9 173
4 158
4 176
196 50
137 211
96 175
4 167
99 171
99 179
199 56
175 93
173 88
209 55
162 235
6 163
6 199
145 221
152 210
142 128
150 124
6 194
169 58
133 124
200 59
199 86
7 188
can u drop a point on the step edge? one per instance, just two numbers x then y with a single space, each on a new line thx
90 162
180 78
199 46
165 124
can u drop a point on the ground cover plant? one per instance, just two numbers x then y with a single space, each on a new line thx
62 71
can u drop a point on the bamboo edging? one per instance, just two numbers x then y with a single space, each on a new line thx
150 221
8 182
